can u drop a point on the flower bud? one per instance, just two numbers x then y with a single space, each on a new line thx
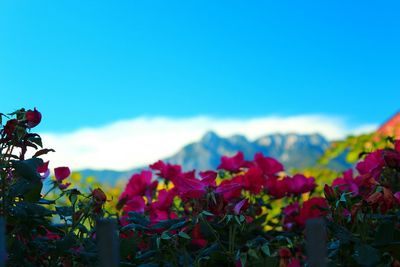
33 118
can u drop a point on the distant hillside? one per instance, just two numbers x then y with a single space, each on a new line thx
293 150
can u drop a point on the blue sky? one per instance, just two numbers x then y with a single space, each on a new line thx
144 78
90 63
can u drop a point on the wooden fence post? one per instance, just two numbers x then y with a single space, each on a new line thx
107 243
316 243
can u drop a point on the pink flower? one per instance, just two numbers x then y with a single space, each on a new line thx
33 118
253 180
189 187
140 185
372 164
61 173
299 184
229 189
166 170
43 170
269 166
164 199
208 177
233 164
135 203
291 209
276 188
313 208
347 183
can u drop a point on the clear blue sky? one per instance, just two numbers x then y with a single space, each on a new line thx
88 63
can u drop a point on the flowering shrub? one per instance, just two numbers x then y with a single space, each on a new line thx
39 230
223 217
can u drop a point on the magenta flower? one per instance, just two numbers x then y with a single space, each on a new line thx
299 184
276 188
269 166
135 203
291 209
61 173
166 170
372 164
253 180
33 118
233 164
230 189
347 183
208 177
313 208
139 185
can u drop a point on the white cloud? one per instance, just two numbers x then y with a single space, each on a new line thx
140 141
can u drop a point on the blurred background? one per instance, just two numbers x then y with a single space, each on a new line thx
123 84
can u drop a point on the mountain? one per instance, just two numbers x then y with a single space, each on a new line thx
293 150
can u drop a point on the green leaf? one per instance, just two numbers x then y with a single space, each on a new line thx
138 218
134 226
184 235
206 213
252 253
165 236
28 168
366 255
266 250
64 211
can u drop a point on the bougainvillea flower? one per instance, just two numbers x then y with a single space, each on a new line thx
230 189
372 164
208 177
276 187
233 164
166 170
61 173
135 203
164 200
313 208
140 185
189 188
253 180
291 209
299 184
347 183
43 170
241 204
33 118
269 166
